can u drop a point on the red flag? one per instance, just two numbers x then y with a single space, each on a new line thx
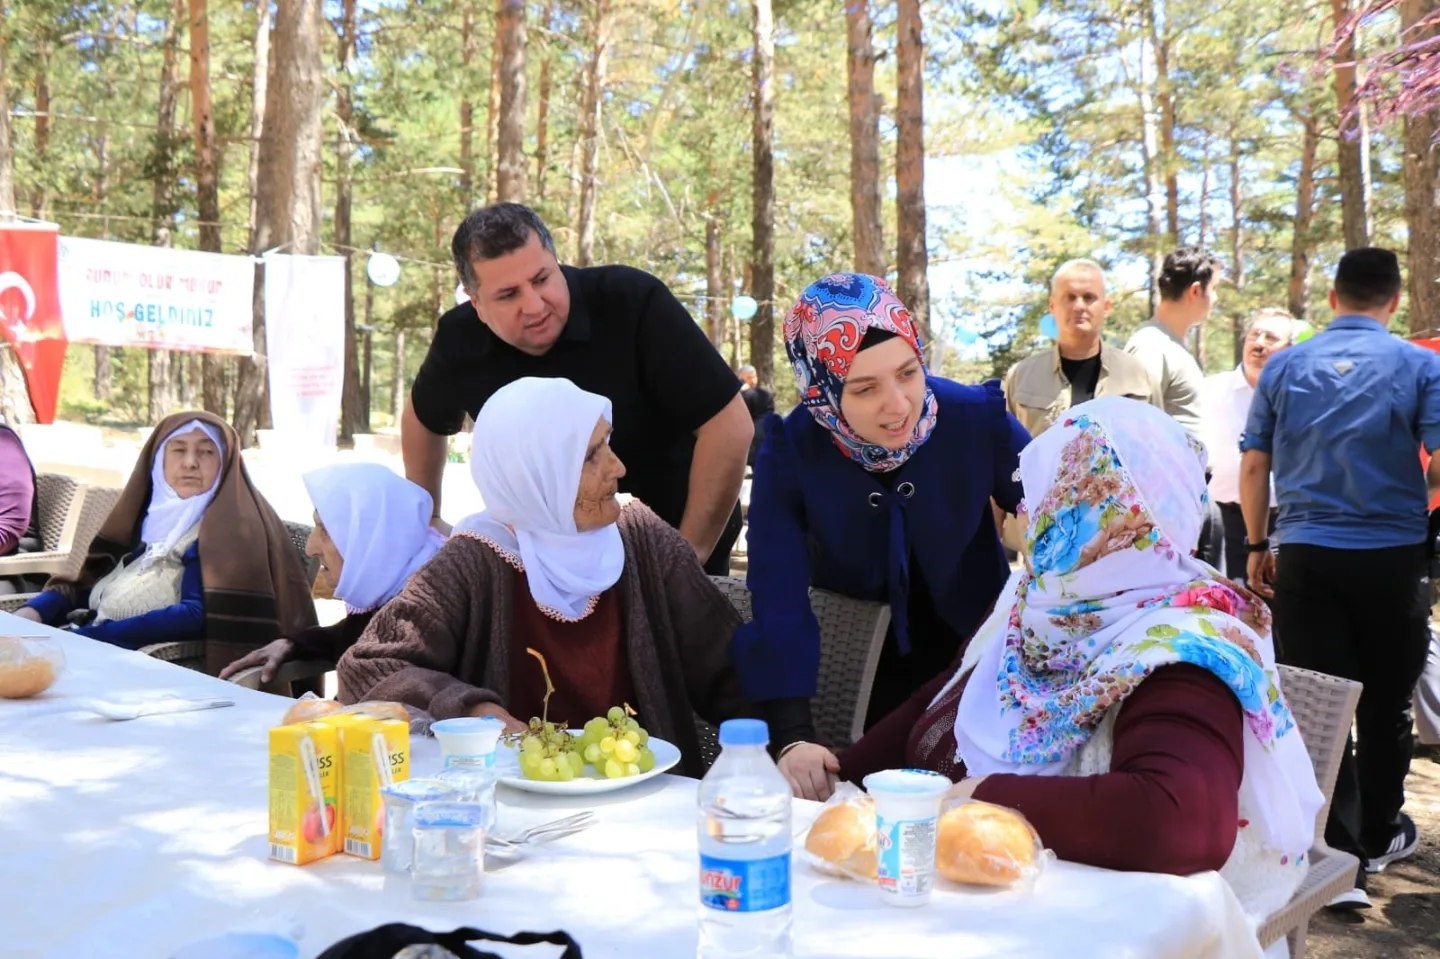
30 309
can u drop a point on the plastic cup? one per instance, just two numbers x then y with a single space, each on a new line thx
449 859
398 845
907 817
468 739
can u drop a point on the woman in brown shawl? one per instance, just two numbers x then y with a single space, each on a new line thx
191 551
612 596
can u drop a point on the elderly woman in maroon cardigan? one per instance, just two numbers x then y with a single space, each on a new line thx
612 596
1121 695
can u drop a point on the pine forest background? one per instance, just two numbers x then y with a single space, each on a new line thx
964 148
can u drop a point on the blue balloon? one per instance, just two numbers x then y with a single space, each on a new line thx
966 337
743 307
1048 329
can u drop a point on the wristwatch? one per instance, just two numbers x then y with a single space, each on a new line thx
1258 547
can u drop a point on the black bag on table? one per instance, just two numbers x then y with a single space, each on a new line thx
385 941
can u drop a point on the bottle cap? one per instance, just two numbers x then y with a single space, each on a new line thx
744 732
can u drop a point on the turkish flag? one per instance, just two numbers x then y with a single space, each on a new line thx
30 309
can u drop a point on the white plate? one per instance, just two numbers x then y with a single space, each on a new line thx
507 764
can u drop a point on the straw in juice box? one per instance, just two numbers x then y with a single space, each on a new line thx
374 753
304 792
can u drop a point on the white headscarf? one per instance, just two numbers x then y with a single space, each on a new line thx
1116 493
169 517
380 525
527 455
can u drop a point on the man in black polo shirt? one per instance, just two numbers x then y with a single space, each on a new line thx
680 426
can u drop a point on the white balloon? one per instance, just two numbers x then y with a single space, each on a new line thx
383 269
11 280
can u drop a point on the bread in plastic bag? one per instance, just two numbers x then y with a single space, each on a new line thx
841 840
310 706
982 844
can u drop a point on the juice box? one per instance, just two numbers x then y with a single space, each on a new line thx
373 753
304 792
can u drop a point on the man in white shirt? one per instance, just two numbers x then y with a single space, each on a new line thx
1225 405
1187 282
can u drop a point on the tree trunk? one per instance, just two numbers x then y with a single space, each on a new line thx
1165 103
1422 193
1237 243
7 155
467 106
1150 159
40 197
1354 142
14 399
510 176
1300 243
912 257
288 212
714 293
492 117
762 225
397 378
102 381
161 384
207 175
590 106
867 217
259 79
350 400
542 121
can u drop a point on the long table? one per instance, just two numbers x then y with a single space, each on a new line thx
132 839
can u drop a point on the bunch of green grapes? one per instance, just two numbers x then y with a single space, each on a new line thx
616 745
547 752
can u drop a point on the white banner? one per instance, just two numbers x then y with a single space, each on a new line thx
305 348
121 294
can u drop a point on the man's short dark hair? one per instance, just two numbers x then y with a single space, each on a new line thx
1183 268
1367 278
492 231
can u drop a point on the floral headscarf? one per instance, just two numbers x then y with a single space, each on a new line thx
823 332
1110 594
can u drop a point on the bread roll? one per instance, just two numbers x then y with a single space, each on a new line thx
381 710
984 845
844 835
305 710
22 678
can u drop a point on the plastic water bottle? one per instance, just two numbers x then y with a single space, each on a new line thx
744 833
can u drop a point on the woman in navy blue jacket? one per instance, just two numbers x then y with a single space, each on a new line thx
877 486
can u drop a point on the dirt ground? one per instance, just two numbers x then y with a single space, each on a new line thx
1405 923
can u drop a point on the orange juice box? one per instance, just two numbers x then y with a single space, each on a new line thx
304 792
373 753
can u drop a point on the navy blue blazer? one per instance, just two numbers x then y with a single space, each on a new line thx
817 518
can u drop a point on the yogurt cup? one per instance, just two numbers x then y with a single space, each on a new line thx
468 739
907 817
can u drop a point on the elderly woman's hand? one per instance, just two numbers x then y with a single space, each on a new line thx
810 769
512 725
267 657
964 789
25 612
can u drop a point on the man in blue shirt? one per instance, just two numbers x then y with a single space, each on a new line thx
1338 419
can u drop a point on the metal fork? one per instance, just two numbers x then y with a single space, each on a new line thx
544 832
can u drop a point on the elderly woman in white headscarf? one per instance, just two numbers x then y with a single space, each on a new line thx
372 532
190 551
612 596
1121 695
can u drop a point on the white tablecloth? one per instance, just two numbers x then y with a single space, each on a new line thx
131 839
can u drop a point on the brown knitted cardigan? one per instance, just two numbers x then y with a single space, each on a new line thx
443 644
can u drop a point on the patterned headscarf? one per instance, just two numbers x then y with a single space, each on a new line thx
1110 594
823 332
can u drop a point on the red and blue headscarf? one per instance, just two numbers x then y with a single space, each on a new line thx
823 332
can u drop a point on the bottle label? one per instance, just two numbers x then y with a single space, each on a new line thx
905 857
745 885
